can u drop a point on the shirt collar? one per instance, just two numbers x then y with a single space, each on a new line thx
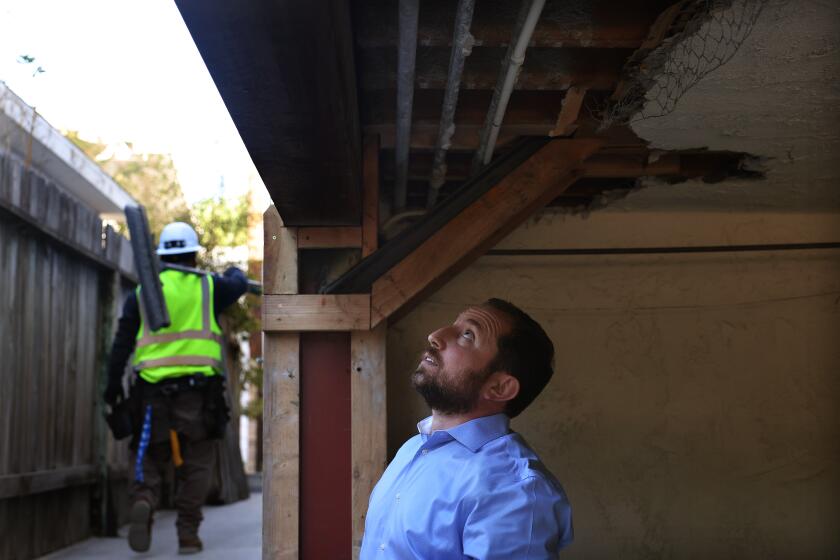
473 434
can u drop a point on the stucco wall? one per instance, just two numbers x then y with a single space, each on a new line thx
694 411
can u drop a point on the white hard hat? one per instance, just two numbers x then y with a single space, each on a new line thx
178 238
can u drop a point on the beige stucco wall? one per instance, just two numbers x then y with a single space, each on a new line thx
694 412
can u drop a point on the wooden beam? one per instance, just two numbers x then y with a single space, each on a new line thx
367 436
529 113
281 446
519 194
329 237
24 484
370 195
465 137
544 68
280 264
569 112
525 107
316 312
639 162
596 24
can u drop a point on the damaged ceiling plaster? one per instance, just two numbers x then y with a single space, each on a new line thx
778 98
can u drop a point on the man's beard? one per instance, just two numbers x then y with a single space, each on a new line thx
448 394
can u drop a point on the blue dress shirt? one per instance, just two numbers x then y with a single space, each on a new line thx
474 491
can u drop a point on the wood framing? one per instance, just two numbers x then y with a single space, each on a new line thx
569 112
315 312
329 237
289 501
280 263
281 398
370 195
281 446
529 187
367 399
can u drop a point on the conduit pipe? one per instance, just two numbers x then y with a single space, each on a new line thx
462 43
395 220
528 18
406 57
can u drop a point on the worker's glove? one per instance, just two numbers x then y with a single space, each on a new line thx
113 391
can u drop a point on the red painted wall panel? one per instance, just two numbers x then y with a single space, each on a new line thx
325 508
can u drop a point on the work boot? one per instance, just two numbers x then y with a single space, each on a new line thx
140 531
189 545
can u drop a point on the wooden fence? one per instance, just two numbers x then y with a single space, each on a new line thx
60 278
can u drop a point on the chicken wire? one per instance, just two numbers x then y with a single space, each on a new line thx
703 36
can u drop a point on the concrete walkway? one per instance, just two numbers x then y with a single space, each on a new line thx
232 531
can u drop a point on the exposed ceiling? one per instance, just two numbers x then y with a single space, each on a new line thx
305 82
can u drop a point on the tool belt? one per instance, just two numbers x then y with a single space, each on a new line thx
170 387
215 409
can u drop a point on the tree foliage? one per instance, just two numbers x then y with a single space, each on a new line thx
150 178
221 224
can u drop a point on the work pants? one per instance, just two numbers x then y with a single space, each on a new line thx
182 412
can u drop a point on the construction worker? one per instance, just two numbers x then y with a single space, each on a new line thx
178 398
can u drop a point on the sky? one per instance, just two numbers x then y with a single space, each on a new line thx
126 70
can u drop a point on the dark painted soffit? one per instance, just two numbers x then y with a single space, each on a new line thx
285 71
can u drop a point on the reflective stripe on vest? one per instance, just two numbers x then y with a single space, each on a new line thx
170 354
179 361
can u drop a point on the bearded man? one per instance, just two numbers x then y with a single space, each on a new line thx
467 486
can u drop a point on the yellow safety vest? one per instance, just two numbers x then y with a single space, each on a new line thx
192 343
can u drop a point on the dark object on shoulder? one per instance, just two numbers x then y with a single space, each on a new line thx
146 263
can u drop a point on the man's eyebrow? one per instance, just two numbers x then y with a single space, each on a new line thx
474 323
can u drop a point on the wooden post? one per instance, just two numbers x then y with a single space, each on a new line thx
367 436
281 398
281 446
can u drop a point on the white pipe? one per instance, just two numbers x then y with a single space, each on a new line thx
501 95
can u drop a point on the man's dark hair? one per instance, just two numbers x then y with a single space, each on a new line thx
525 352
184 259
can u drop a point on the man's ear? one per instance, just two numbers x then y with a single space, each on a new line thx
500 387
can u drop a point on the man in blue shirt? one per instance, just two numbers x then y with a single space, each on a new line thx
466 486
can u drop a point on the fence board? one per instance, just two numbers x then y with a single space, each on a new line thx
15 485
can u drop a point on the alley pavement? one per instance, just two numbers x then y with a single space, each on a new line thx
231 531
